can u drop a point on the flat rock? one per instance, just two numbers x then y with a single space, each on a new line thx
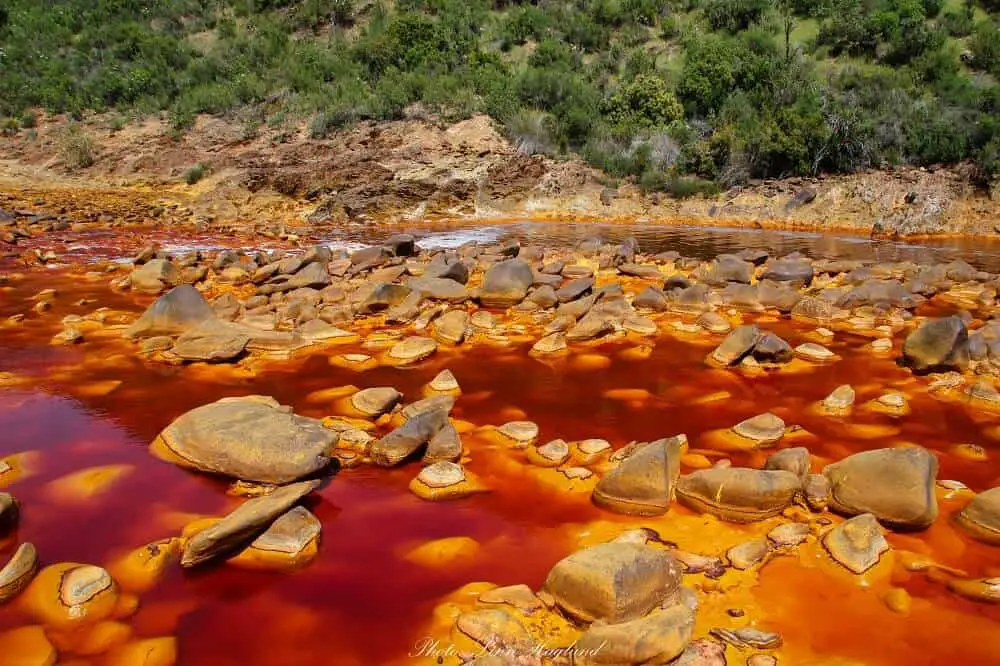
857 543
445 382
550 344
404 441
788 535
896 485
748 554
981 517
738 494
251 438
18 572
374 402
841 398
290 535
450 327
522 432
412 349
657 638
749 637
243 525
811 351
496 629
439 288
616 582
980 589
643 483
763 429
442 474
446 444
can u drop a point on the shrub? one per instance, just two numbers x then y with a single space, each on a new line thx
532 132
735 15
642 103
985 47
29 120
76 147
195 173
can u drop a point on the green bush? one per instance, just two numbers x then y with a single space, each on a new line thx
195 173
735 15
985 47
642 103
29 120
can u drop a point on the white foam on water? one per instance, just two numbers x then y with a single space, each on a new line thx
458 237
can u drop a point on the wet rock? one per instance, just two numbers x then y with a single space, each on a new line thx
815 310
176 311
795 460
406 310
522 432
643 271
9 511
937 345
981 517
738 494
592 325
703 652
840 399
788 535
982 589
810 351
762 429
445 382
794 271
518 596
726 268
18 572
404 441
713 322
676 282
211 341
748 554
69 594
447 268
27 646
737 345
374 402
155 276
382 296
412 349
896 485
616 582
693 563
544 297
651 298
441 475
693 300
439 288
450 327
575 289
446 444
643 483
252 438
400 245
496 629
240 527
555 452
772 349
749 637
639 325
857 543
430 403
817 491
506 283
292 541
657 638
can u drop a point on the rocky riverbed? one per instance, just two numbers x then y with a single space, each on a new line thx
513 451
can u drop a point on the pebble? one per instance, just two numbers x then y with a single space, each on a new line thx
523 432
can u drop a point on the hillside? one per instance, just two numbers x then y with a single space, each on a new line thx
682 96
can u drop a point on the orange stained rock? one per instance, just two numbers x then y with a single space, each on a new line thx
636 353
146 652
443 552
590 362
70 594
91 640
26 646
19 466
87 484
139 570
334 394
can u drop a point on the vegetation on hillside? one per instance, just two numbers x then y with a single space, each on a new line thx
666 91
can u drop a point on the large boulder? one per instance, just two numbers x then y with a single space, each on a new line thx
251 438
726 268
439 288
155 276
857 544
615 582
737 345
506 283
404 441
243 525
937 345
643 483
981 517
657 638
794 271
895 485
176 311
738 494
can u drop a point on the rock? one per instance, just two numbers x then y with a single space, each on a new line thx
896 485
155 276
404 441
762 429
738 494
247 522
518 596
506 283
692 563
522 432
981 517
857 543
748 554
713 322
651 298
657 638
810 351
840 399
982 589
19 571
439 288
574 289
726 268
772 349
27 646
737 345
449 269
445 382
497 630
451 326
292 541
65 595
555 452
430 403
374 402
937 345
406 310
176 311
9 511
143 652
703 652
748 637
592 325
816 489
544 297
550 344
616 582
795 460
798 272
381 296
400 245
251 438
639 325
643 483
412 350
788 535
441 475
446 444
211 341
